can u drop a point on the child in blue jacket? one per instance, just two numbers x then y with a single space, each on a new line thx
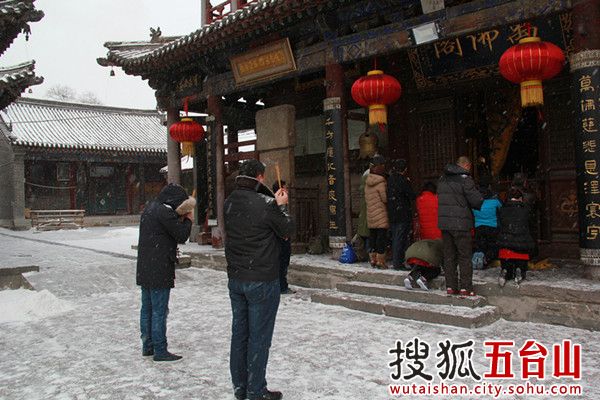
486 226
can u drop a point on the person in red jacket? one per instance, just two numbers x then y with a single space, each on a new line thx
427 211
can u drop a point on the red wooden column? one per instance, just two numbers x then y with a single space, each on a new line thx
337 155
173 150
585 63
215 109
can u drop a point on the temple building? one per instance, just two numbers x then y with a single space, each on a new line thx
285 69
65 156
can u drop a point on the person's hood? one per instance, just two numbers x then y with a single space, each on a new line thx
173 195
454 169
374 179
248 183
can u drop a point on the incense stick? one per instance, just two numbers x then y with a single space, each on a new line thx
278 175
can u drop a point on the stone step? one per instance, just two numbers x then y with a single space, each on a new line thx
464 317
433 296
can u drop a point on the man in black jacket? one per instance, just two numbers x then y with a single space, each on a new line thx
254 219
457 195
400 197
161 228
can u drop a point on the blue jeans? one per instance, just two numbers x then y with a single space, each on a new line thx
285 251
399 233
254 307
153 319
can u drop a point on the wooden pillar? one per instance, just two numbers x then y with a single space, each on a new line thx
585 63
18 183
205 17
336 155
73 185
142 187
232 137
201 183
215 109
173 151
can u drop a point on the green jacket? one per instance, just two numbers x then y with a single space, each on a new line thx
428 250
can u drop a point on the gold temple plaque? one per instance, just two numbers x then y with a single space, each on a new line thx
263 63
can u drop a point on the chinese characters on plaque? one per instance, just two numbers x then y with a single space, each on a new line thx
585 94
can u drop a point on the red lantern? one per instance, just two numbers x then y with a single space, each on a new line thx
376 91
529 63
187 131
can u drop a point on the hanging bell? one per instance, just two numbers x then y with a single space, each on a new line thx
368 144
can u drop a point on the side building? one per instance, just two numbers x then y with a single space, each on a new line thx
57 155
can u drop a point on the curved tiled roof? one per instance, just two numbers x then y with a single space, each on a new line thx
254 17
53 124
15 79
15 16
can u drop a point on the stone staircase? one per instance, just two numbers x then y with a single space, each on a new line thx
563 300
432 306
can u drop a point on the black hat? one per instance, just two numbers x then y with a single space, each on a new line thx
252 168
378 159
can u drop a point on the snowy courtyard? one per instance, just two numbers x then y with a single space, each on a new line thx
77 336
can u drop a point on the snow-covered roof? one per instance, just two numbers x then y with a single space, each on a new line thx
53 124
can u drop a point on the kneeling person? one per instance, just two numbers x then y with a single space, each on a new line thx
514 239
424 258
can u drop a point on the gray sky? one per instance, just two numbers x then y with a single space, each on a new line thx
67 41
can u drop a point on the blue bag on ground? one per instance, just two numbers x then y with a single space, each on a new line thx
348 255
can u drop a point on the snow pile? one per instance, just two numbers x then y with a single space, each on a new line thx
29 305
129 232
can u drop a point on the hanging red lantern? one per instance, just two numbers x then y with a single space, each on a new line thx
529 63
187 131
376 91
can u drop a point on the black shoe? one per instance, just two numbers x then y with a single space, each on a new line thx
167 357
268 395
147 353
240 394
288 291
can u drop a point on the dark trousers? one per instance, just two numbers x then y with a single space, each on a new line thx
254 307
458 250
285 252
153 319
510 265
378 240
399 233
485 241
429 273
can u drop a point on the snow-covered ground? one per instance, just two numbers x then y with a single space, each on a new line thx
77 338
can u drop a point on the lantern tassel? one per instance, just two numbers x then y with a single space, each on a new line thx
377 114
532 93
187 149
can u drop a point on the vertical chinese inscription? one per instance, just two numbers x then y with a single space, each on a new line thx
334 166
585 96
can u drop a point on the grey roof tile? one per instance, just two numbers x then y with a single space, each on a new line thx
46 123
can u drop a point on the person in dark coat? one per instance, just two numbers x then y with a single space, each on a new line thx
400 198
457 195
161 229
514 238
254 219
285 251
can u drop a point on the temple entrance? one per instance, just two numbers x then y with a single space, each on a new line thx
523 154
